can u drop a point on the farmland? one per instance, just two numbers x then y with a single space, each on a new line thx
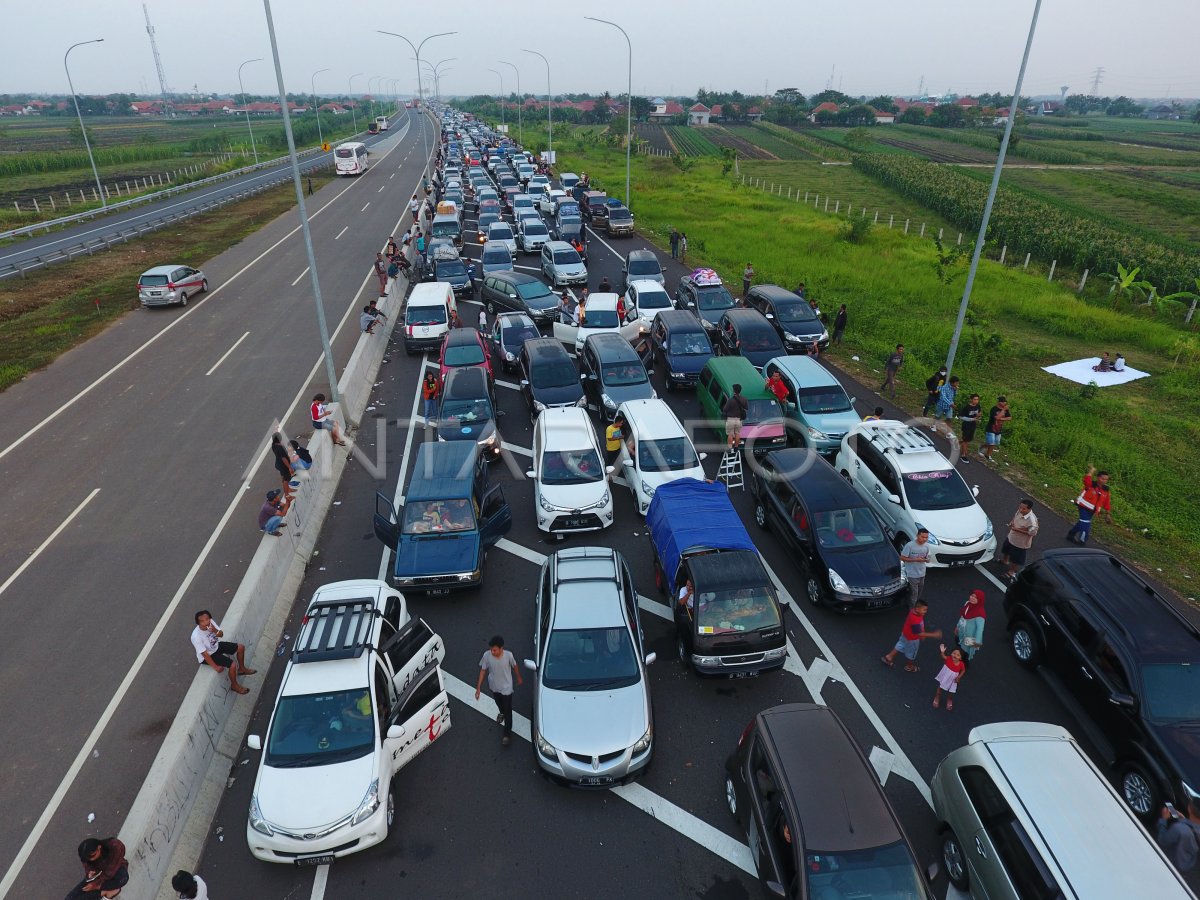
655 136
691 141
728 137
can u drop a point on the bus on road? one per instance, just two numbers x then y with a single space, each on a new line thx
351 158
382 122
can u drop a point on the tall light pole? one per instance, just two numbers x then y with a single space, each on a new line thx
322 326
991 197
246 107
496 72
79 116
372 93
549 106
420 93
317 106
628 102
520 100
350 94
436 69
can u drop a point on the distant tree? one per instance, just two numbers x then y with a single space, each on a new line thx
884 103
860 139
830 97
600 114
1082 104
947 115
1196 116
641 108
914 115
731 112
703 96
789 96
858 115
1124 106
783 114
827 117
75 135
728 155
737 96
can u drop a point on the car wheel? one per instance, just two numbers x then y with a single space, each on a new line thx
1139 791
204 286
182 298
731 796
812 587
760 517
681 649
391 806
1026 646
955 860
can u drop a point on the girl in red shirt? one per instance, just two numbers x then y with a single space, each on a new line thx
953 669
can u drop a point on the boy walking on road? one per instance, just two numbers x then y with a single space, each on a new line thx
1022 529
891 368
911 635
499 666
915 557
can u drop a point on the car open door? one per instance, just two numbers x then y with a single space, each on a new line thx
565 333
633 331
422 709
387 528
495 516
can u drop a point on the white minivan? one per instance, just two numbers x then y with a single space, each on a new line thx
428 316
570 481
655 449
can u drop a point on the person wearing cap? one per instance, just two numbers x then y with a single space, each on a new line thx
221 655
271 513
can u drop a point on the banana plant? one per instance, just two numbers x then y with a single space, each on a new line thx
1127 284
1180 299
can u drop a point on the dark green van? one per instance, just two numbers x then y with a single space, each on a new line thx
762 428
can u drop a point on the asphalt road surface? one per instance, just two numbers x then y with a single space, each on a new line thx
108 225
134 468
474 817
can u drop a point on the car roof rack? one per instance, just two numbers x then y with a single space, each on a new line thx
899 439
337 629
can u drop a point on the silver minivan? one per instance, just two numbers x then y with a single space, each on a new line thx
166 285
496 257
561 264
1024 813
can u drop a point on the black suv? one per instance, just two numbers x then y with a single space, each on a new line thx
518 292
613 373
746 332
793 318
1124 660
548 377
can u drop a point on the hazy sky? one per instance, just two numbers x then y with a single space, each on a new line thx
878 46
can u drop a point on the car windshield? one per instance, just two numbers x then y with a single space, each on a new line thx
343 153
571 467
451 268
667 455
743 609
619 212
438 516
485 222
1172 692
712 298
566 258
942 489
536 228
623 375
497 257
823 400
536 291
515 337
689 345
466 411
556 373
321 729
425 315
500 233
756 339
463 355
879 872
761 410
443 229
600 318
794 312
590 659
846 529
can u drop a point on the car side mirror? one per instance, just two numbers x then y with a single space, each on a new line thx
893 498
530 665
975 490
770 315
254 742
1125 701
610 469
530 474
650 658
524 382
703 456
395 731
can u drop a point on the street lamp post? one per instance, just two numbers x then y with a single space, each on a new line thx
520 101
628 102
350 94
317 106
496 72
372 93
437 75
420 93
246 108
991 197
322 326
549 107
86 143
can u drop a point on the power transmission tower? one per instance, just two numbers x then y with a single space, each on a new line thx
162 76
921 88
1096 78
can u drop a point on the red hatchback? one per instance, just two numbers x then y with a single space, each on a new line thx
464 347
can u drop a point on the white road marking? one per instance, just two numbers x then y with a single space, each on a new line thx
507 384
320 881
46 543
365 205
677 819
398 497
528 268
381 187
992 578
513 448
393 175
227 352
345 228
305 272
610 247
524 552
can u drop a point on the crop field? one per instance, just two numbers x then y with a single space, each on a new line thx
728 137
775 147
691 142
934 149
655 136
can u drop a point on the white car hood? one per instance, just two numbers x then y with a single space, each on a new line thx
574 496
593 722
964 524
658 479
307 799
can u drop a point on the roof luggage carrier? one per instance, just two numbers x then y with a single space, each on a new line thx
899 438
337 629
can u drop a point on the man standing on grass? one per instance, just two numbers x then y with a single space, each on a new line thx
1094 498
945 403
498 666
674 243
997 416
891 368
839 324
747 279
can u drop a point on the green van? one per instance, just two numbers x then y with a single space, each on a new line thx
762 428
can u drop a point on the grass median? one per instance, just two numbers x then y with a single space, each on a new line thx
1145 432
38 321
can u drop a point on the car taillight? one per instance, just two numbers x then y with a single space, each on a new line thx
170 286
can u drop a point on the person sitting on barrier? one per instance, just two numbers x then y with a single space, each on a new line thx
221 655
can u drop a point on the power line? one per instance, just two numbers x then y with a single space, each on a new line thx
1096 78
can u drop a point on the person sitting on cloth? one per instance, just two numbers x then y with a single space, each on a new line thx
1105 364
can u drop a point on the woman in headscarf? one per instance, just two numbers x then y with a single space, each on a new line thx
971 620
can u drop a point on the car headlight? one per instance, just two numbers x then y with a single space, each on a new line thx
257 822
792 338
824 336
603 501
539 406
369 804
987 529
582 401
545 748
777 653
647 489
706 660
838 583
816 434
470 576
546 504
609 402
489 441
509 357
643 742
932 537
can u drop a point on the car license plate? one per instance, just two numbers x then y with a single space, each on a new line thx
574 523
596 779
436 591
959 562
325 860
878 604
743 674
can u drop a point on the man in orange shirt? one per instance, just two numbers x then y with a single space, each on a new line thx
1093 499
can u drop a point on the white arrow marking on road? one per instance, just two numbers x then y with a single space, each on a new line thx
883 761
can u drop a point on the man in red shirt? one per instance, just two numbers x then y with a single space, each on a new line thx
105 870
777 386
911 636
1094 498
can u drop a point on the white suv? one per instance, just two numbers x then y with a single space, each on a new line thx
655 449
899 471
361 696
570 491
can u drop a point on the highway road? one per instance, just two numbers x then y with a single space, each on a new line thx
25 252
474 817
133 468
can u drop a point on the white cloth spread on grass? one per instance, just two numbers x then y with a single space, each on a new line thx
1080 371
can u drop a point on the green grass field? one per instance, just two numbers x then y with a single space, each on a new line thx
769 142
1145 432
